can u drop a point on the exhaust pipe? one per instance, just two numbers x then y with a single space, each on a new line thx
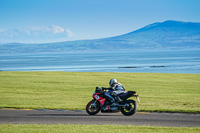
122 105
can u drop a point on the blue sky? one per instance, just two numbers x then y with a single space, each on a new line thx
41 21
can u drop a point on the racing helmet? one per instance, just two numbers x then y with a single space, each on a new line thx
112 81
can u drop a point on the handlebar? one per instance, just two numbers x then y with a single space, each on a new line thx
102 90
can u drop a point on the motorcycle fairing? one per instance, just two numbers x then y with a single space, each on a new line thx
99 98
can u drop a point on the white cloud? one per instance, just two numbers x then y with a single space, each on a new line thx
57 29
37 28
70 33
37 34
53 28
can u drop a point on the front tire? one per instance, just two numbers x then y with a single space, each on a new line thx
93 107
130 109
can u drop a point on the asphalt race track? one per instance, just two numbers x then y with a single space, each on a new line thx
81 117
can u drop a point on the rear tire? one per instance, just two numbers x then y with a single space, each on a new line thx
130 109
92 108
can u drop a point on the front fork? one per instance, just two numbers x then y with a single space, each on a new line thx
94 103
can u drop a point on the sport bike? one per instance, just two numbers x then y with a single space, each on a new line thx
103 103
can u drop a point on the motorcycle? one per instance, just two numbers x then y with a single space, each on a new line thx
103 103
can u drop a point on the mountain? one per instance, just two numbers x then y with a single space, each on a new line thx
163 35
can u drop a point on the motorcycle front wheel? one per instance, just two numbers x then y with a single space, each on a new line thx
93 107
130 108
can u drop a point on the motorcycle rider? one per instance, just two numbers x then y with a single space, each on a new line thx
114 90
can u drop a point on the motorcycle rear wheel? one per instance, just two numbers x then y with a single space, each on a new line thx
92 108
130 109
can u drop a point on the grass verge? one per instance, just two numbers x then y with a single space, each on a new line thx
92 128
73 90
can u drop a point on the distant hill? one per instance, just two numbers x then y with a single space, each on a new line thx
165 35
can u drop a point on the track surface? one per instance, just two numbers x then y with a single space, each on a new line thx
81 117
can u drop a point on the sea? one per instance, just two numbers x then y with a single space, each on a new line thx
173 61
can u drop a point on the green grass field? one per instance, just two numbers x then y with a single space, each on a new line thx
73 90
93 128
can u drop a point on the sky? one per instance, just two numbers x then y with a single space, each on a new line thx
46 21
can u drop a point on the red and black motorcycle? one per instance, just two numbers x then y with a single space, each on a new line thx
102 102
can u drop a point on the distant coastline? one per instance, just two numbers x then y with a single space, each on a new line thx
168 35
